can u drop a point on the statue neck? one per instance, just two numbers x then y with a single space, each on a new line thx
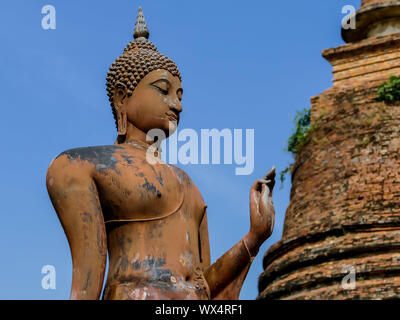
133 134
137 138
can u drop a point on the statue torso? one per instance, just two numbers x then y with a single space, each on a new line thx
152 214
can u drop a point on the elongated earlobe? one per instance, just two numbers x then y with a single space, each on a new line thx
122 122
120 108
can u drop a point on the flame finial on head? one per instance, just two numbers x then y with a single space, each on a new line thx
141 29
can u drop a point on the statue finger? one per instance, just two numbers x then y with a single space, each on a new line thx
260 183
271 173
265 194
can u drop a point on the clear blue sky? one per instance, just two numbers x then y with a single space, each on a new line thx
244 65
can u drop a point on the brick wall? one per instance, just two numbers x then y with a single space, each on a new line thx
345 197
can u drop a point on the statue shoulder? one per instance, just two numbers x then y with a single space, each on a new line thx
81 163
94 154
97 157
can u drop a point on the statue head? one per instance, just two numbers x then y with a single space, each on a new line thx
144 86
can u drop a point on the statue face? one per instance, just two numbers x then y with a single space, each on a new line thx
156 102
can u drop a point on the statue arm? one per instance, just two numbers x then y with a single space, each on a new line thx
204 243
225 277
74 196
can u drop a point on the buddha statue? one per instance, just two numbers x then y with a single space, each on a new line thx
147 215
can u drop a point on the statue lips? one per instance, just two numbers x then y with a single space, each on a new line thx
173 116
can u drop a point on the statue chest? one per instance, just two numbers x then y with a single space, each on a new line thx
142 191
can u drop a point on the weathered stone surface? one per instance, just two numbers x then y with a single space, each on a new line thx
365 3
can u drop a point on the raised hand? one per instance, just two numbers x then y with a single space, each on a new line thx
262 212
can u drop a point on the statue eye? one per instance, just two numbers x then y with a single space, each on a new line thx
162 86
163 91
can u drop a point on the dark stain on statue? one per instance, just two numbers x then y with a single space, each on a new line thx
87 280
160 179
156 230
101 241
149 186
124 263
136 264
86 217
127 158
163 275
156 268
150 262
121 242
101 156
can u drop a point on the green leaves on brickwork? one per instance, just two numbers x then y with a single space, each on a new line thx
300 135
299 138
389 91
284 172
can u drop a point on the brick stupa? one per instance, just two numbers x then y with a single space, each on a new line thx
344 211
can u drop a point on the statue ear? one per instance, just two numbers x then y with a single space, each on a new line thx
120 98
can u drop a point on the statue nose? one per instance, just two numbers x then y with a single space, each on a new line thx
176 106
